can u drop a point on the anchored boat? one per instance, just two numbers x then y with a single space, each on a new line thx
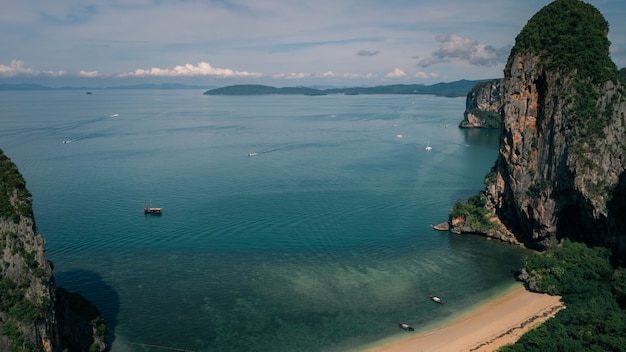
152 210
436 299
406 327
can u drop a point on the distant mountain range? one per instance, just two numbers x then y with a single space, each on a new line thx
450 89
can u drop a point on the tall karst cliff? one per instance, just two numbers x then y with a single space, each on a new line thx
34 314
482 106
560 169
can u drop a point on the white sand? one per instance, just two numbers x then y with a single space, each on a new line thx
487 327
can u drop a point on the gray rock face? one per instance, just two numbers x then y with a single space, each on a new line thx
550 183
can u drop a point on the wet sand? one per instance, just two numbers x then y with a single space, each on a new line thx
487 327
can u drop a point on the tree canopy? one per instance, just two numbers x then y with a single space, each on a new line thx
569 35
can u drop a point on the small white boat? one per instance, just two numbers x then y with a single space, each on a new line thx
399 136
436 299
428 147
406 327
252 154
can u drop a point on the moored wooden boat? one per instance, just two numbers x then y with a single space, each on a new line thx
152 210
406 327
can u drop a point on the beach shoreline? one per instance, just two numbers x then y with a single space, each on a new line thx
499 321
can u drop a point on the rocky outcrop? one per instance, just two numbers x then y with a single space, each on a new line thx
32 313
562 157
482 106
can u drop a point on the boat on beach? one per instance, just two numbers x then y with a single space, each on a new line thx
436 299
406 327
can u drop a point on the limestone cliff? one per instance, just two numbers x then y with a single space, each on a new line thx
562 157
482 106
32 310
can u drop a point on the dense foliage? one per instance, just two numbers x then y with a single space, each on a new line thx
594 293
569 35
12 183
474 212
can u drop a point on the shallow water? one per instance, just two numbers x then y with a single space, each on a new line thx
321 241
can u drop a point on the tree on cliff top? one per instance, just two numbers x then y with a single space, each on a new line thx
569 35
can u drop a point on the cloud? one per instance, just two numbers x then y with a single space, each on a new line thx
17 69
396 73
292 75
347 75
89 74
189 70
367 53
422 74
453 46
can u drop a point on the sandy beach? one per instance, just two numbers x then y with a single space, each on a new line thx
485 328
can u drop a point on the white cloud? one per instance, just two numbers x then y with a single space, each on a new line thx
292 75
16 68
88 74
454 46
422 74
360 75
396 73
189 70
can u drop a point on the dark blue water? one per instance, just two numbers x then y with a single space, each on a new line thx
319 241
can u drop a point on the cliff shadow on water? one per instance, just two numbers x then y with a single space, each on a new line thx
91 286
487 138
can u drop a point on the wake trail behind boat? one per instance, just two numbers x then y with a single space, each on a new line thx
282 148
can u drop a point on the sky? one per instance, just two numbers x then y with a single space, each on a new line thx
275 42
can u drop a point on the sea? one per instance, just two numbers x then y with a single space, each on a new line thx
289 223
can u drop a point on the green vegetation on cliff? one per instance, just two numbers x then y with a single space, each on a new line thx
12 184
474 212
594 293
569 35
489 118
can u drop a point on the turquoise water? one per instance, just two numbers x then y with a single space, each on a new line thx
322 241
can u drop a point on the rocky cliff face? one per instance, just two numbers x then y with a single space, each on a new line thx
561 165
482 106
32 313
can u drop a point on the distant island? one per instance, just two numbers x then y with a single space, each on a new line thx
450 89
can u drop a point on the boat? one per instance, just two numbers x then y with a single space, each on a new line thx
406 327
436 299
428 147
252 154
152 210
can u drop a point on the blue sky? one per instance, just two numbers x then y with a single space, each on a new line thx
277 42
